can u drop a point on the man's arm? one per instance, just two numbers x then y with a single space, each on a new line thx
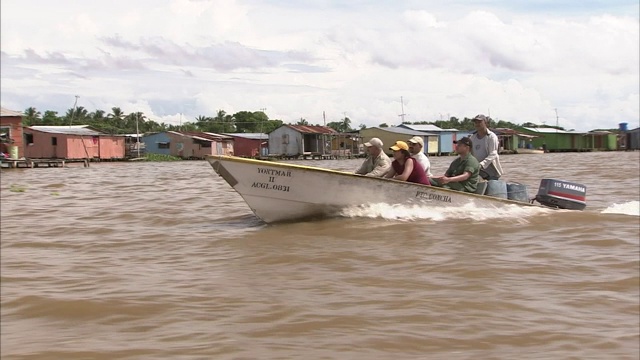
381 167
492 150
363 168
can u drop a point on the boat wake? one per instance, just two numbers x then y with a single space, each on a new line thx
628 208
404 212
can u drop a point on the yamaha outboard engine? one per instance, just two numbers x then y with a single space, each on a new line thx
562 194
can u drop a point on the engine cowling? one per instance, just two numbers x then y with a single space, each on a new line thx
562 194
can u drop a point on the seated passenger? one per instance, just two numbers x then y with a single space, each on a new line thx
404 167
416 144
462 174
377 163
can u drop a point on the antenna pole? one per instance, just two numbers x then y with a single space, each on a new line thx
262 123
137 135
73 113
557 122
403 114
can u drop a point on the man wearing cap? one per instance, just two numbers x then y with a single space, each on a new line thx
416 144
377 163
485 149
462 174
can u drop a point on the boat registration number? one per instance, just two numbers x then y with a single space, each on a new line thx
268 186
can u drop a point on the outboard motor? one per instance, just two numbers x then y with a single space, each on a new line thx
562 194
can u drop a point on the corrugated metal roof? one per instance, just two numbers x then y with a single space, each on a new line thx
405 131
313 129
507 131
423 127
199 135
550 131
68 130
251 136
7 112
222 136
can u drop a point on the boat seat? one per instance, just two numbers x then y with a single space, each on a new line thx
481 187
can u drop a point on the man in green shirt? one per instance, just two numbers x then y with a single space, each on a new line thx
462 174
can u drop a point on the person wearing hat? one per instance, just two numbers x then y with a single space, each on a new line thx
404 167
377 163
416 144
485 149
462 174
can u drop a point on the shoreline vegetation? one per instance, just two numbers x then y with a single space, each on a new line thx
158 157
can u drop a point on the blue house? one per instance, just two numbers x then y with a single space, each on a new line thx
158 143
446 136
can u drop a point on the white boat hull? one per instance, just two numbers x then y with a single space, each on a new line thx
278 192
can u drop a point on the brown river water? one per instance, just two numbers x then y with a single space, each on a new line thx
165 261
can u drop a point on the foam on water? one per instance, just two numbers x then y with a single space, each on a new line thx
628 208
441 213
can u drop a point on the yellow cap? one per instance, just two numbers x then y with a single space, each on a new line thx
400 145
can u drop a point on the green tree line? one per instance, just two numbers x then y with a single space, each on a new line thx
117 122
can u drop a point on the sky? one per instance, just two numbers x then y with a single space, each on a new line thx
571 63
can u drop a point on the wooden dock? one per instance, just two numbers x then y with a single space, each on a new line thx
34 163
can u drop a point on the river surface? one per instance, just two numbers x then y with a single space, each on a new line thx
164 260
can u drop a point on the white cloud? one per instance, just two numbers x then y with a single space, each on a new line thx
516 59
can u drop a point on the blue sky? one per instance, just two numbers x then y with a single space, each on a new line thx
177 59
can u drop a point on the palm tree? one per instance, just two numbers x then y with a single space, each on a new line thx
31 116
51 118
345 125
116 116
138 117
78 115
98 115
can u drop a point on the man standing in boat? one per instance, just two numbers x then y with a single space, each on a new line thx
485 149
377 163
462 174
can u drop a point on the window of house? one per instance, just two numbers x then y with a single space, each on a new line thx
164 145
54 141
202 143
5 134
28 139
285 138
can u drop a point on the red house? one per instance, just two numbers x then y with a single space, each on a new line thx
11 141
71 142
250 144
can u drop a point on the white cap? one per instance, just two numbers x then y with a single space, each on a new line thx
374 142
417 140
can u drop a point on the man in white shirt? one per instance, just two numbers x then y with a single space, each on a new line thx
485 149
377 163
416 144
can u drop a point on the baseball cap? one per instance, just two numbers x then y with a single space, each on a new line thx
399 145
375 142
465 141
480 117
417 140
